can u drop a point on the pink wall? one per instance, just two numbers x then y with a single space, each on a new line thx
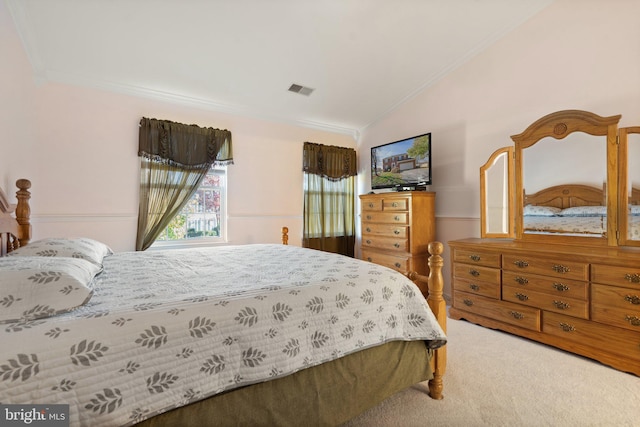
572 55
78 146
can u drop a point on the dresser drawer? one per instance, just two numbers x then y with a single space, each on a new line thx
616 340
386 217
487 289
514 314
475 272
372 205
559 287
568 306
400 263
395 205
619 276
546 267
486 259
389 230
386 243
616 306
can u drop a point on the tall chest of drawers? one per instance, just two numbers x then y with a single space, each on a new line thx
397 229
584 300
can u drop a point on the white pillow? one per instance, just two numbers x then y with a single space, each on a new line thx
534 210
584 211
83 248
37 287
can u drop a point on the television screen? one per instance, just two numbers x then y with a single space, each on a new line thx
403 164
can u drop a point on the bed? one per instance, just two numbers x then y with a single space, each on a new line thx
574 209
286 334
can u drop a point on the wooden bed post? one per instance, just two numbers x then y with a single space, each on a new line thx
23 211
435 299
285 235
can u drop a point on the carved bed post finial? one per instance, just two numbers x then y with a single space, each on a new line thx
285 235
23 211
438 305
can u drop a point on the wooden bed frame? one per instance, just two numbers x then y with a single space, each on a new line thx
568 196
634 198
572 195
15 231
15 220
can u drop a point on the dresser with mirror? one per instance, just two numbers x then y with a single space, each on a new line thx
558 260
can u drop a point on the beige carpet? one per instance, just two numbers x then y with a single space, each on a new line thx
497 379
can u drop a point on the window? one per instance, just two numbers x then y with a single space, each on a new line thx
202 219
328 206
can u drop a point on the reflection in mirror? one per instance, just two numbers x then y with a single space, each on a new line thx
578 163
496 188
633 184
577 159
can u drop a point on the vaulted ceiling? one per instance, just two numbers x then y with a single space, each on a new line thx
362 58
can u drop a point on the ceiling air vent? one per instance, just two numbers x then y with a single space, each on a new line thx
302 90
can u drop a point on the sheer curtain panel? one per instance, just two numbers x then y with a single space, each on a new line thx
174 159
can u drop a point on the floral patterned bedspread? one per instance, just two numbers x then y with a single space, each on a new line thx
166 328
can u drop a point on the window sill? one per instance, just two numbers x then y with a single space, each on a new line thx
183 244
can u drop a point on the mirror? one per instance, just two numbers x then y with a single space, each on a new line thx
564 187
577 160
629 206
496 194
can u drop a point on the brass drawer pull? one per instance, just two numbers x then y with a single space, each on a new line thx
633 278
368 216
561 305
368 242
521 264
516 314
475 258
369 259
521 280
396 231
396 245
474 273
467 302
567 327
397 218
635 299
394 204
560 268
474 287
368 230
398 265
560 287
633 320
371 205
521 297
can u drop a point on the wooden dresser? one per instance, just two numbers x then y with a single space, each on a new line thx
397 228
579 298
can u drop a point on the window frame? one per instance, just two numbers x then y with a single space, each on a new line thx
209 240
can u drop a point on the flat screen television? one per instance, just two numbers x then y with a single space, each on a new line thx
403 164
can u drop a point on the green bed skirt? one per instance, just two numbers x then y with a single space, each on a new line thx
325 395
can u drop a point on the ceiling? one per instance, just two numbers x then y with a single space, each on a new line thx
362 58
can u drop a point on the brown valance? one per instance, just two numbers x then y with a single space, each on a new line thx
331 162
185 146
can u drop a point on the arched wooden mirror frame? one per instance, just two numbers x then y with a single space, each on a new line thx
559 125
496 195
